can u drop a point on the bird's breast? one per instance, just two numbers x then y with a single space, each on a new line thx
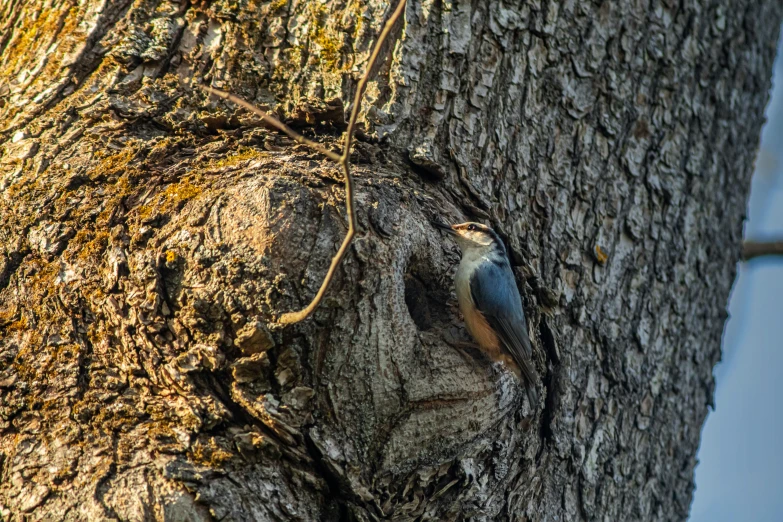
476 323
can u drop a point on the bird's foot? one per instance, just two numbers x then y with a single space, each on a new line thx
465 345
462 348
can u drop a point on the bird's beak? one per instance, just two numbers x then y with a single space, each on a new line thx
446 228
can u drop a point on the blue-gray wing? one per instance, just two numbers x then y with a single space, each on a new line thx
495 294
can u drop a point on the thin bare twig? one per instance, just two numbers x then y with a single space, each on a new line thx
344 160
274 122
753 249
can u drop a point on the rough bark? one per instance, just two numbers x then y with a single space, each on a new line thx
150 236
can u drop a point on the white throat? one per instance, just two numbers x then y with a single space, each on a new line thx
472 257
474 253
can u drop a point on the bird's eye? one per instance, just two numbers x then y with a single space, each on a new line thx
471 227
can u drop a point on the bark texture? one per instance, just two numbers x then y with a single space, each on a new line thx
150 235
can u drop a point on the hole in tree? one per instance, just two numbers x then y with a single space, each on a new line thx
425 296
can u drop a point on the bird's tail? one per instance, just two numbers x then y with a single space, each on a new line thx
532 394
526 378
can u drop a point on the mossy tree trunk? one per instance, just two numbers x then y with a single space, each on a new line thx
151 235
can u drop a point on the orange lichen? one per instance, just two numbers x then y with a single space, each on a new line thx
170 200
31 32
91 244
357 9
240 155
17 326
113 163
36 31
209 453
277 5
180 192
600 255
329 47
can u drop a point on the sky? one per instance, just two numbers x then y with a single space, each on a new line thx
740 471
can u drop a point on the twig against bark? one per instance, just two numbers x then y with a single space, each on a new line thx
753 249
274 122
343 160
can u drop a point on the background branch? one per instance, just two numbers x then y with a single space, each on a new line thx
753 249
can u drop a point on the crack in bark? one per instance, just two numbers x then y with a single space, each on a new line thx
13 261
102 483
550 382
337 502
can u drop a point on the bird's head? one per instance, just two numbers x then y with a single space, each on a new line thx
474 237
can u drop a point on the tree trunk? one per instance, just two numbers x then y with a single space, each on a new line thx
151 235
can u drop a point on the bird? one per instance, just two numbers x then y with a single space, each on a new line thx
490 303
